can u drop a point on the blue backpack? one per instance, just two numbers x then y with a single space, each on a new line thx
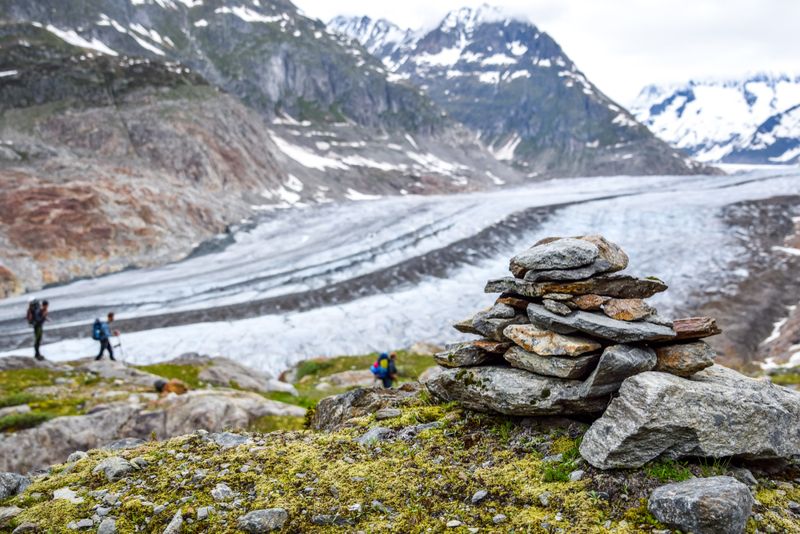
381 366
97 330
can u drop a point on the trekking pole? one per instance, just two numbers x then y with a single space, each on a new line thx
119 346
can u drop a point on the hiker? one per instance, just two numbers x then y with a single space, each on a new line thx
165 387
37 315
385 369
101 331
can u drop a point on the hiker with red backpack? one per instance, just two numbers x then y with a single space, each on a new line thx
101 331
37 315
385 369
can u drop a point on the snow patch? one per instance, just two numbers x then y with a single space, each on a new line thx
202 23
72 37
352 194
506 152
247 14
305 157
7 73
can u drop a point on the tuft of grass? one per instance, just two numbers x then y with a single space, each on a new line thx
17 398
559 471
786 379
271 423
668 471
20 421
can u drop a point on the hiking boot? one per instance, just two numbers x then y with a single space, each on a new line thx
39 357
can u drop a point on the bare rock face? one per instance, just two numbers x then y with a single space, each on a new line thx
225 372
599 325
512 392
684 359
214 411
571 368
715 505
617 363
548 343
716 413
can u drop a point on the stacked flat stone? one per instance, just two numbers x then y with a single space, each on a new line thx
564 334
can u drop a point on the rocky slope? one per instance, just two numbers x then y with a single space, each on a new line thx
753 120
110 161
512 83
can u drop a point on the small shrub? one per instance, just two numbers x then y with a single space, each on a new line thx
668 471
20 421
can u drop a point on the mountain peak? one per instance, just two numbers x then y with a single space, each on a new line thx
469 17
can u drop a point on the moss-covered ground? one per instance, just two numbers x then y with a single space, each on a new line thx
413 484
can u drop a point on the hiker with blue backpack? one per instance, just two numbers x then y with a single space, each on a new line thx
385 369
101 331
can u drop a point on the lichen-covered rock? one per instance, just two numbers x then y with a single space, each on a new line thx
589 302
575 367
684 359
491 323
716 505
547 343
114 468
716 413
225 372
628 309
11 484
559 308
333 412
599 325
617 363
695 328
259 521
512 391
463 355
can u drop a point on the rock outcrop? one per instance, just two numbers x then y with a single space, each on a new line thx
334 412
571 328
224 372
715 505
716 413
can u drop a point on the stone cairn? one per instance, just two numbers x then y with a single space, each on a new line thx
564 334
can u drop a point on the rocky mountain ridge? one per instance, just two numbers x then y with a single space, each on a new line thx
754 120
504 78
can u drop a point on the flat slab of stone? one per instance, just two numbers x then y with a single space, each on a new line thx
463 355
628 309
716 413
599 325
695 328
466 327
611 285
576 367
547 343
617 363
512 392
589 302
715 505
684 359
491 323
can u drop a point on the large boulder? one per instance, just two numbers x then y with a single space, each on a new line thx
53 441
12 363
716 505
599 325
224 372
716 413
332 413
512 392
117 370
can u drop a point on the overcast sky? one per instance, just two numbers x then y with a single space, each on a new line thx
623 45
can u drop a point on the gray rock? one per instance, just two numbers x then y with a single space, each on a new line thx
380 507
561 253
576 475
175 525
573 367
265 520
107 526
203 512
14 410
387 413
684 359
81 524
334 412
559 308
479 496
610 285
610 258
491 323
327 519
11 484
463 355
7 513
222 492
410 432
599 325
499 519
375 434
114 468
511 391
716 505
617 363
26 528
76 456
227 440
744 476
716 413
123 444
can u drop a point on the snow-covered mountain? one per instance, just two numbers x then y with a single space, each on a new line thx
512 83
755 120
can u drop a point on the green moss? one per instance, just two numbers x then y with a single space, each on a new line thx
186 373
16 398
271 423
786 379
668 471
21 421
